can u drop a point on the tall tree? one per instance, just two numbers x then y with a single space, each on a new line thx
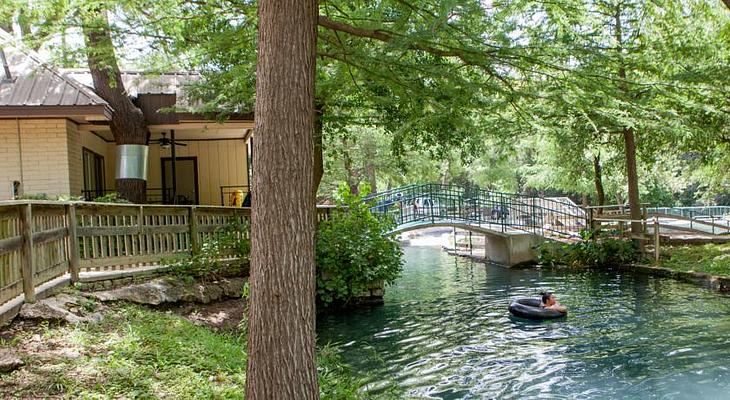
281 342
128 123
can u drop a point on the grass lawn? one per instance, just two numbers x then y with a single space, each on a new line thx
709 258
136 352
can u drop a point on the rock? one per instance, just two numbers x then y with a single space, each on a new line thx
233 287
171 290
62 307
9 362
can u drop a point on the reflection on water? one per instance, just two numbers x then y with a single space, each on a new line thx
444 332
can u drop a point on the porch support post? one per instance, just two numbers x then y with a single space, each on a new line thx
174 170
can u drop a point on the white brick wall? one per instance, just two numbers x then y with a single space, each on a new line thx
45 146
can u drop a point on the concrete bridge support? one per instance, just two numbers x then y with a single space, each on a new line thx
513 249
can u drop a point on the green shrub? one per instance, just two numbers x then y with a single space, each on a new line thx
354 251
225 254
43 196
111 198
34 196
601 252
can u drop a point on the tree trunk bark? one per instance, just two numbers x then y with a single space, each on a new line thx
353 178
372 178
598 182
281 342
128 123
370 157
318 150
637 228
632 176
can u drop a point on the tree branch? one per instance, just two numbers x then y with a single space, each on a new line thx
389 37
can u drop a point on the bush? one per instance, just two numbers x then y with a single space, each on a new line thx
598 252
43 196
354 251
225 254
111 198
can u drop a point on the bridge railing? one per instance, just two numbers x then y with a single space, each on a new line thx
430 203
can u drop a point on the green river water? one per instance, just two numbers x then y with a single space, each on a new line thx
444 333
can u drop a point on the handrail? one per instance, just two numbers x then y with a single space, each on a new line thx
477 206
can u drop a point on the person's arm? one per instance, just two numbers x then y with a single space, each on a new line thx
558 307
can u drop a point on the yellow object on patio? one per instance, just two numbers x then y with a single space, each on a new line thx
237 198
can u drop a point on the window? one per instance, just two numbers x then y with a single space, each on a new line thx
93 175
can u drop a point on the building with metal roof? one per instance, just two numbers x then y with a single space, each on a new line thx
55 137
30 87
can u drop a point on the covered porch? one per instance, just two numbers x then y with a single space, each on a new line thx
203 163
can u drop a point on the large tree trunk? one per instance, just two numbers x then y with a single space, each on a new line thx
632 177
598 182
637 229
128 124
281 342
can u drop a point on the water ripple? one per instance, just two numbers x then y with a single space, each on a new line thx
444 334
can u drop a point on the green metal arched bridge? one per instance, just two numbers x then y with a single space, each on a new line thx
558 218
425 205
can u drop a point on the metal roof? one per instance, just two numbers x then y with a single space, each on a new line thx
141 83
35 83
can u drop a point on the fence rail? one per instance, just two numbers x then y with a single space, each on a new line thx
43 240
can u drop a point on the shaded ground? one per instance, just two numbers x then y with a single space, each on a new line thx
222 316
134 352
182 351
708 258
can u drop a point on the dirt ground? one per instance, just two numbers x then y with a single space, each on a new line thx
220 316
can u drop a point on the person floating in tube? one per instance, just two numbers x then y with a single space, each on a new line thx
550 302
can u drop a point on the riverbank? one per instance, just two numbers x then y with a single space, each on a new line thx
141 352
706 265
710 258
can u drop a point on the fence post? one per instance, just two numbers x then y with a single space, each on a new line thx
432 197
471 245
656 239
193 221
644 217
73 243
26 252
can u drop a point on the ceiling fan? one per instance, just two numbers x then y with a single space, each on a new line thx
165 143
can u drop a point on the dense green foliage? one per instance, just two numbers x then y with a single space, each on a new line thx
709 258
601 252
354 251
136 352
516 95
111 198
225 253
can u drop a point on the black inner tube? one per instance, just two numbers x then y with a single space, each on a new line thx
530 308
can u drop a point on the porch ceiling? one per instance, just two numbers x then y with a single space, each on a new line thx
186 131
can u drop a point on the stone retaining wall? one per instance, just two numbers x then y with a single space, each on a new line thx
372 296
116 282
714 282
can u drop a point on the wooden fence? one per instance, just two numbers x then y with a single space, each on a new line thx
43 240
